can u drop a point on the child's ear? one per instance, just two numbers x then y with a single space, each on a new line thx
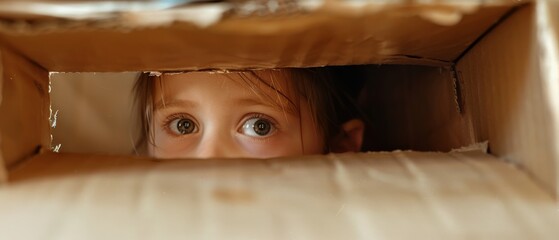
350 137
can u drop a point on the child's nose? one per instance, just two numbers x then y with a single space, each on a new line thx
218 146
212 151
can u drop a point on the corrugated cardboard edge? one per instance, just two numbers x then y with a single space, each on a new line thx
548 37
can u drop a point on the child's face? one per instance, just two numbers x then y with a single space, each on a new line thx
203 115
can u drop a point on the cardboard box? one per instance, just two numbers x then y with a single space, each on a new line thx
492 76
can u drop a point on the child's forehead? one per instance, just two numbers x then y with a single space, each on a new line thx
273 87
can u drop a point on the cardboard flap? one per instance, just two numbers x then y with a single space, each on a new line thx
24 109
400 195
327 33
510 98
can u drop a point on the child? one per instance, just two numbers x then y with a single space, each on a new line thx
255 114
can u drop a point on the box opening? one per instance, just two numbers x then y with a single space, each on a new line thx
405 107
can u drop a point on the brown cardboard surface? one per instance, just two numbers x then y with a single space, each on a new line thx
24 110
395 33
507 100
400 195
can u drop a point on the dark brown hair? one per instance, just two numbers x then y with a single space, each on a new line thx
329 105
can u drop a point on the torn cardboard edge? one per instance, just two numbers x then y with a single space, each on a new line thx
53 117
480 147
475 147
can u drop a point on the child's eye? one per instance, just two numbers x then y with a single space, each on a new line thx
182 126
258 127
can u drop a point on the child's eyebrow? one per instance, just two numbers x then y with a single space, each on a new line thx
256 102
165 103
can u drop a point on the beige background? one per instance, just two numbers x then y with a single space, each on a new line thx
94 112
